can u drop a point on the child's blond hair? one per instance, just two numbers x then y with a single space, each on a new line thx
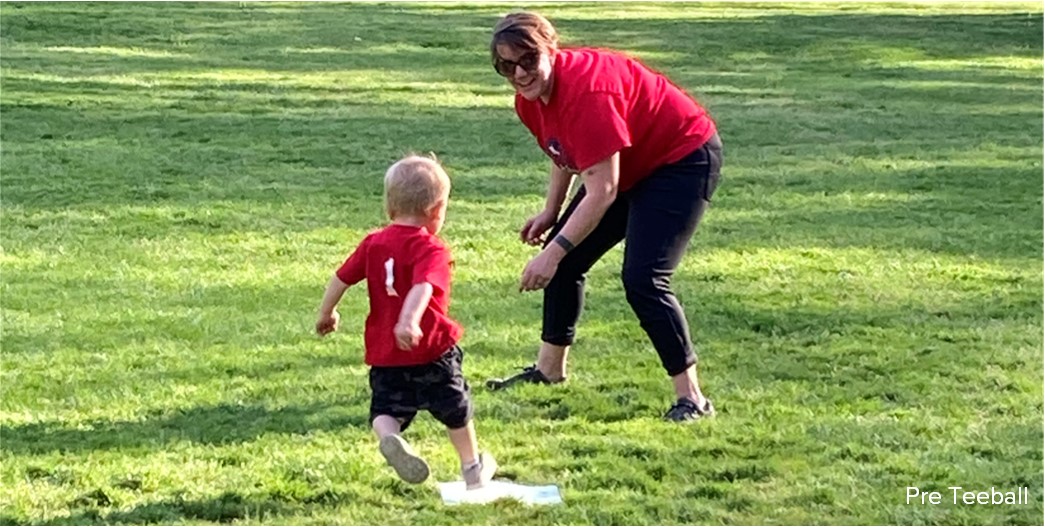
414 184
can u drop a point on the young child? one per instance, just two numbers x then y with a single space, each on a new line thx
411 342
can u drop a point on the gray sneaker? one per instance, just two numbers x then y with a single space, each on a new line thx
479 474
410 467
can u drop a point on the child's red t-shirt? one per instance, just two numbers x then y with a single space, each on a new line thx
393 260
603 102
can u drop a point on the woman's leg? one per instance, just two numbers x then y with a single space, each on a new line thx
665 210
564 294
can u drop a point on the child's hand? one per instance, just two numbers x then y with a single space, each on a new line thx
327 324
407 336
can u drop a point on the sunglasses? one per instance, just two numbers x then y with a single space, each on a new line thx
528 62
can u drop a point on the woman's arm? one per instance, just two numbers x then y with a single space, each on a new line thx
558 186
600 187
600 190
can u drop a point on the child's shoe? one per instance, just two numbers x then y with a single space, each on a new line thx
410 467
480 473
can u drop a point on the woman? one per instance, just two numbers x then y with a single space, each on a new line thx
649 159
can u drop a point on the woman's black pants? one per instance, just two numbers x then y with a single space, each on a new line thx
656 219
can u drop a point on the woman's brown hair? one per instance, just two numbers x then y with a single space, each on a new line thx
524 31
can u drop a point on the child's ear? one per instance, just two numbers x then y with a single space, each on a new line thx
434 208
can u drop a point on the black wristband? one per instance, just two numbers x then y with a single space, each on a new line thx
566 245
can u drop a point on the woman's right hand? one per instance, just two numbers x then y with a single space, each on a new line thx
533 231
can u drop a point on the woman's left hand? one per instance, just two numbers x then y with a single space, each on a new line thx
539 271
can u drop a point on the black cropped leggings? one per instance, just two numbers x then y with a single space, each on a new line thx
656 218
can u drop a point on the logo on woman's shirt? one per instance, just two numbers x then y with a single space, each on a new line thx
558 154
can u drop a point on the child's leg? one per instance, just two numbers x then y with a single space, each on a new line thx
477 469
411 467
392 408
465 443
447 396
448 399
386 425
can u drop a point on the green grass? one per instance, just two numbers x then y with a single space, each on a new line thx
180 180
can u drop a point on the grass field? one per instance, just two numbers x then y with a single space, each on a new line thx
180 180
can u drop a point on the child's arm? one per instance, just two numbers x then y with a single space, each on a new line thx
408 329
350 272
328 315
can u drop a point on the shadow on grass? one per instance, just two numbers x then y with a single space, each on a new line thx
227 508
209 425
189 143
951 208
306 37
230 507
188 113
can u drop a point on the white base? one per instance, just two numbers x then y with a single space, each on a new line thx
454 493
